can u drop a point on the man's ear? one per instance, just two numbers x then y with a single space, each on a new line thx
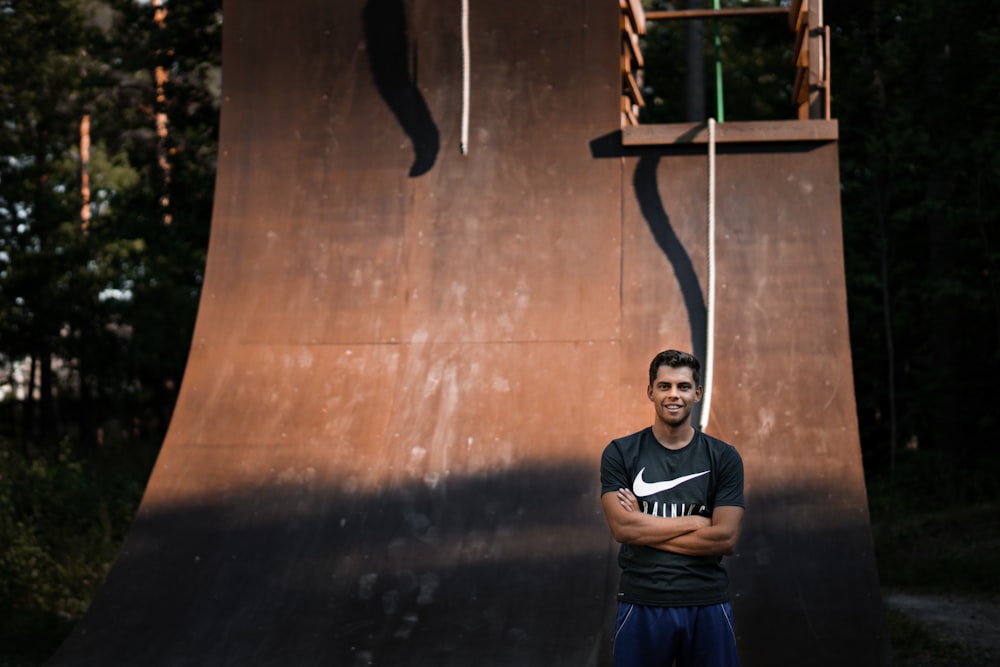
649 392
699 392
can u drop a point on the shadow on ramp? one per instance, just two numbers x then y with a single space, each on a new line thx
412 575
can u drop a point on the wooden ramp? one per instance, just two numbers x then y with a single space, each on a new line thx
408 360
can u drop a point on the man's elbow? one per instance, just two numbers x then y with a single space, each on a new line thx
624 532
621 534
728 546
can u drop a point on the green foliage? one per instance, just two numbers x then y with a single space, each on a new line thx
916 90
110 308
936 526
113 305
62 520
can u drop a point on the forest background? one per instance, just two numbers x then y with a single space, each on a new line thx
103 243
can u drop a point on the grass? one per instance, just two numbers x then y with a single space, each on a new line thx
936 526
914 643
944 551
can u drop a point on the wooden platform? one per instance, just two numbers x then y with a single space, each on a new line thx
730 132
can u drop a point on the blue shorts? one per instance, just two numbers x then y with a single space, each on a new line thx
693 636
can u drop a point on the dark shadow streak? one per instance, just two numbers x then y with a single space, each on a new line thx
651 204
647 194
388 54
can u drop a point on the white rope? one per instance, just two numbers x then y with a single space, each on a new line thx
464 143
706 404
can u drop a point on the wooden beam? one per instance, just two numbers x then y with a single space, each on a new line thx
633 9
632 89
629 36
793 13
827 94
629 116
801 43
731 132
800 89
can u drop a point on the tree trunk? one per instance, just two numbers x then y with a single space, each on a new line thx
881 212
28 416
46 402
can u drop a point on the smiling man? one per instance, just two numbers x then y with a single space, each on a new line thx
673 498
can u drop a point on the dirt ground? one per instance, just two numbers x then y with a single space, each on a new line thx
971 624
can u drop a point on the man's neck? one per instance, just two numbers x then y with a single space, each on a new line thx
673 437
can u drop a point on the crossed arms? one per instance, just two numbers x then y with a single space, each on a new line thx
687 535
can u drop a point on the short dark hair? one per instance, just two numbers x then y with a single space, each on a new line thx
675 359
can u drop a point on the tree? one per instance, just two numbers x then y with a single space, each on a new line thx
42 42
103 301
917 102
102 308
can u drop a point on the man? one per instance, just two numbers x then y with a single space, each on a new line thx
673 498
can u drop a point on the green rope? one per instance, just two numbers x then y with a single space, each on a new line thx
720 112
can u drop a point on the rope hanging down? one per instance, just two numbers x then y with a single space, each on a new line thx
464 144
706 404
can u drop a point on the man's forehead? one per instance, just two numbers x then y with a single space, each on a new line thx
670 374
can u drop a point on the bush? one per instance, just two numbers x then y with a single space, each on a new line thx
62 520
936 524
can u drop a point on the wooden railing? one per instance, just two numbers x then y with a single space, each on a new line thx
811 87
633 24
811 91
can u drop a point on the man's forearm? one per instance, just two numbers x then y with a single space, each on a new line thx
708 541
718 539
629 527
715 537
647 530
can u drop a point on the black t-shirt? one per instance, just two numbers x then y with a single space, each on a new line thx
695 479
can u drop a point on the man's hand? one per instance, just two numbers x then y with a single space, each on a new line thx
628 500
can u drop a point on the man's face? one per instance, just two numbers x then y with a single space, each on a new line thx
674 394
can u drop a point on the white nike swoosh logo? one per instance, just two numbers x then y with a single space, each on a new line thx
641 488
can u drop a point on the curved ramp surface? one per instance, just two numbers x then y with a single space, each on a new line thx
407 361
